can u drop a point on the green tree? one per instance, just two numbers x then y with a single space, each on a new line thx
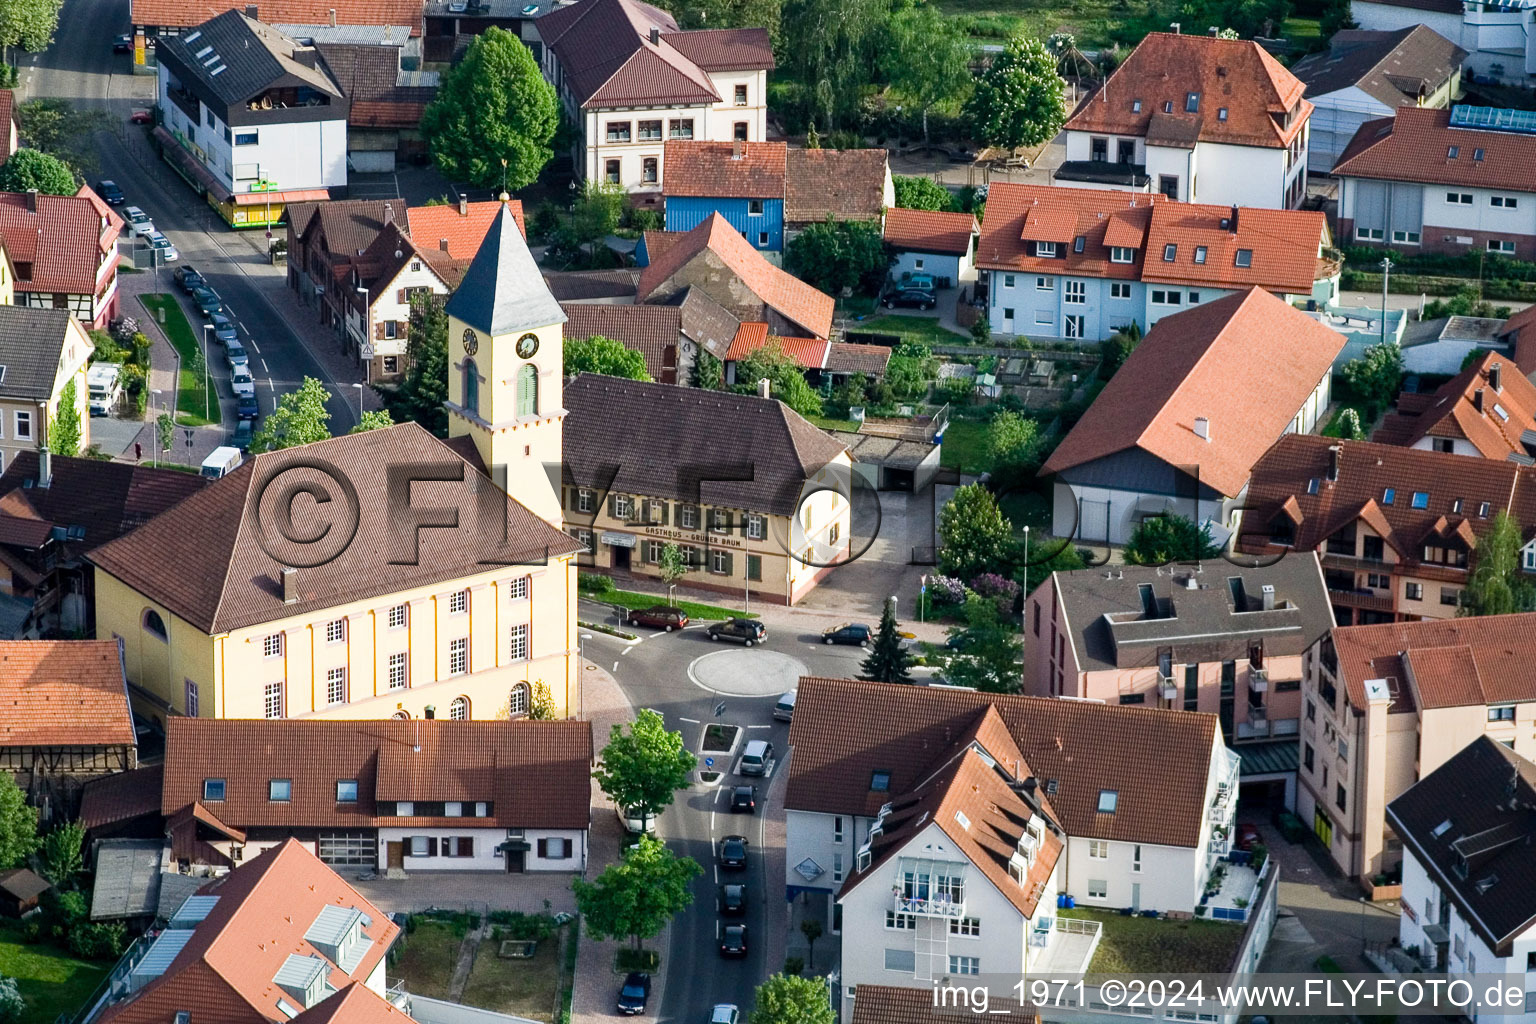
811 929
911 367
1336 18
1013 446
790 999
812 137
886 662
64 434
915 193
542 707
420 396
840 254
927 57
643 769
1496 585
672 567
1158 540
728 14
63 853
29 24
13 1008
972 533
1349 425
835 51
373 420
598 211
165 431
989 655
786 378
708 372
18 825
606 356
29 169
57 127
1376 377
1046 555
639 895
494 116
1020 100
300 418
1114 351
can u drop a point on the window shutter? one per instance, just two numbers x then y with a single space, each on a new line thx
400 296
645 510
613 506
466 846
431 846
730 562
666 513
543 848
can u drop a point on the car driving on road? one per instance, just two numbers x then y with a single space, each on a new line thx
724 1013
743 631
235 353
247 407
733 900
744 800
634 993
122 44
856 633
659 616
733 853
733 944
241 438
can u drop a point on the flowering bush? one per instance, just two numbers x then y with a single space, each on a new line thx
946 590
123 329
1000 589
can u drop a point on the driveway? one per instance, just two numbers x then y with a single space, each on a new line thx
887 526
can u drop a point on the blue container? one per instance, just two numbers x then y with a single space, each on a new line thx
1071 902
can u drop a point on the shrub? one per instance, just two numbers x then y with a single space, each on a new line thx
98 941
794 965
545 221
528 927
594 583
645 220
1000 589
946 590
123 329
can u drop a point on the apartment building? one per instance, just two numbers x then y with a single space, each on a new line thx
1482 412
1495 37
1197 119
1387 705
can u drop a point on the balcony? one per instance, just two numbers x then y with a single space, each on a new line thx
1069 944
1359 597
1258 679
1258 721
950 903
1167 688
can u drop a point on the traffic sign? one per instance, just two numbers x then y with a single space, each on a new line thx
720 709
709 762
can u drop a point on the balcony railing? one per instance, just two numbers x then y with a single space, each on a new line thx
1166 687
1258 679
939 905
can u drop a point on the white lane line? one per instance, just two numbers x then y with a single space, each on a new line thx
615 666
719 794
690 721
254 347
626 651
711 821
232 314
717 930
264 367
759 727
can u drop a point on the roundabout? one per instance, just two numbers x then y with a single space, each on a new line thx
748 672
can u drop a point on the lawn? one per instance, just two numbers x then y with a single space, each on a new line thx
50 980
965 447
1091 21
525 988
1143 945
1366 424
196 406
634 601
828 423
913 328
427 956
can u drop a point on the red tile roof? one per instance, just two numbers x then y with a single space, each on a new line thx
791 298
63 693
810 353
175 13
843 357
848 184
1416 145
65 239
464 230
1483 659
888 1004
265 906
1282 245
930 230
355 1004
1232 74
113 799
1200 363
744 170
1451 412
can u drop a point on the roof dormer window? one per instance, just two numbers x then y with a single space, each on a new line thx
1221 114
1244 258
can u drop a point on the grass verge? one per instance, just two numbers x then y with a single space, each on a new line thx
50 980
1132 945
194 404
965 447
828 423
427 956
634 601
914 328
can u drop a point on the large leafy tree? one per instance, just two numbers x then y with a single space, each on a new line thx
913 365
64 433
728 14
420 396
973 535
300 418
1020 100
62 854
1497 586
57 127
836 43
1046 555
596 215
28 24
1374 378
494 116
839 254
28 169
18 825
989 652
1158 540
374 420
786 378
915 193
642 769
1013 446
886 662
636 897
790 999
927 57
606 356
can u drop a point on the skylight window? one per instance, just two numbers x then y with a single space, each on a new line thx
965 822
1109 799
1482 510
1199 254
1389 495
1221 114
1452 152
1441 829
1421 499
1135 106
1244 258
1499 411
1312 485
1168 106
1477 155
1078 243
880 782
213 789
1192 103
1170 253
280 790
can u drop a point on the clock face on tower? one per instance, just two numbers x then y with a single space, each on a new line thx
471 343
527 345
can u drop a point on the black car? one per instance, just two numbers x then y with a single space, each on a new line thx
734 944
634 993
744 800
848 633
743 631
909 297
961 640
247 407
122 44
733 853
207 301
109 191
241 438
733 900
189 280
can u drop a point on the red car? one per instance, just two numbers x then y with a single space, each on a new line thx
142 117
659 617
1246 837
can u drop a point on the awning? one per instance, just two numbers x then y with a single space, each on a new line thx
301 195
617 540
514 846
189 166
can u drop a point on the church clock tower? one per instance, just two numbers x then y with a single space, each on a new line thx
505 368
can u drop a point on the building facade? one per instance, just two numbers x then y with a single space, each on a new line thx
60 253
46 352
932 242
1496 38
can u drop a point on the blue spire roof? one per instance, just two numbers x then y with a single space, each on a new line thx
503 291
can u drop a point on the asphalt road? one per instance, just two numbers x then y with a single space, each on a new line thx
655 674
81 67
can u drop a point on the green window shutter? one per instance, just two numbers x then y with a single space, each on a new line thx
755 567
613 506
730 562
645 510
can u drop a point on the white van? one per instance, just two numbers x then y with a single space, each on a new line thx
784 710
222 461
103 382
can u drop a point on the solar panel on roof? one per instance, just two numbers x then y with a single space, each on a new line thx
1496 119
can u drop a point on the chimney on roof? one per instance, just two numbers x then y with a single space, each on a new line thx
1203 428
1173 27
736 149
1496 377
442 243
1267 596
463 204
389 214
32 204
1232 221
1191 582
44 467
1333 460
1477 399
655 35
250 12
290 585
764 388
333 17
429 712
1213 30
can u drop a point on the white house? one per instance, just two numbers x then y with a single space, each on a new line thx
1469 900
932 242
1081 264
251 118
1364 75
1197 119
384 279
631 80
1497 37
1449 181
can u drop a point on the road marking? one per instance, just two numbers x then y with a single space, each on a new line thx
264 367
232 314
626 650
690 721
759 727
615 666
711 821
717 931
718 794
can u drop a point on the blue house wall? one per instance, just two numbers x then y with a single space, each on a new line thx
764 230
1039 304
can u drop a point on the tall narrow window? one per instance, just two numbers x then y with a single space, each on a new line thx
517 701
471 388
458 656
336 686
192 699
272 700
528 391
518 650
458 710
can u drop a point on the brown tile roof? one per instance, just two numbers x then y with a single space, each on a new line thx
347 226
1157 761
22 884
599 434
1235 74
1193 364
866 359
265 907
369 75
1483 659
930 230
649 330
586 285
849 184
104 499
888 1004
1392 67
63 241
536 774
1451 412
724 49
706 322
173 13
463 228
204 560
8 110
1282 244
63 693
791 298
121 797
1416 144
714 169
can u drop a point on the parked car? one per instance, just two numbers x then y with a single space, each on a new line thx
733 945
632 820
744 800
733 853
634 993
138 221
109 191
241 438
188 279
733 900
755 757
223 330
659 616
235 353
743 631
848 633
919 282
165 251
207 301
909 297
247 407
724 1013
142 117
784 710
122 44
1246 837
241 382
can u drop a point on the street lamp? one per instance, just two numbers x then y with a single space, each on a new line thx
155 420
207 391
581 678
1022 612
359 403
367 328
1386 272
